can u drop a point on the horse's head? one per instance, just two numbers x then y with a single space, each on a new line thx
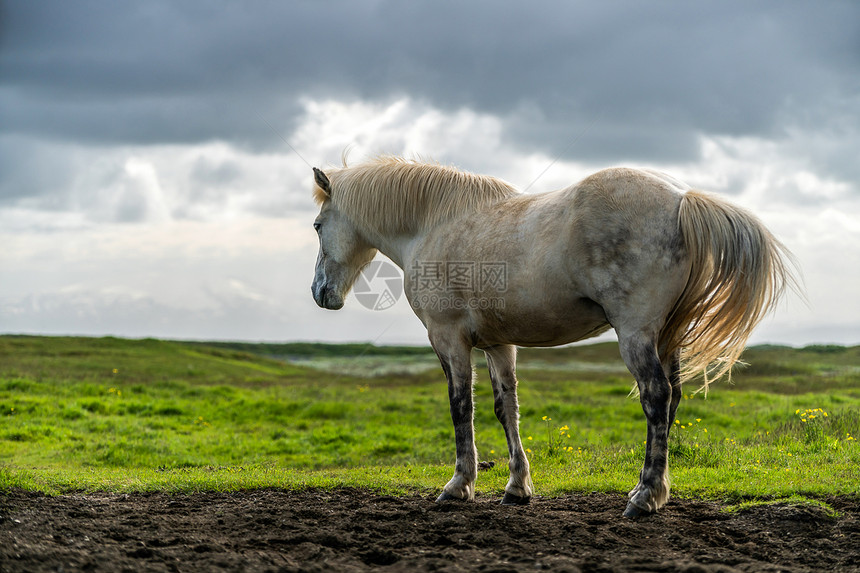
343 251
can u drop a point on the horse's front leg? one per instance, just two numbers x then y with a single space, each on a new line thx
655 395
456 362
502 365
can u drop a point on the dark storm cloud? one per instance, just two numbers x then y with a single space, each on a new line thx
26 172
641 79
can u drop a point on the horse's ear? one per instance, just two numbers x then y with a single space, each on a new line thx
322 181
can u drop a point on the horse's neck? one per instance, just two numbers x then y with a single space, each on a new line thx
413 224
397 248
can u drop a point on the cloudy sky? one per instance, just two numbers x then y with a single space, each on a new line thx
149 184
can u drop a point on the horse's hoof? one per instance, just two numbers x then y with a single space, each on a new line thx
445 496
633 512
511 499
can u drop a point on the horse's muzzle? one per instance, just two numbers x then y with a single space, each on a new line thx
326 297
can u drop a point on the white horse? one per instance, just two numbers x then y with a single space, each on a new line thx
682 277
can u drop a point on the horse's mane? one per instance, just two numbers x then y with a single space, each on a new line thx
400 195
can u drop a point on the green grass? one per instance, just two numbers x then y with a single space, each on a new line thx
818 506
83 414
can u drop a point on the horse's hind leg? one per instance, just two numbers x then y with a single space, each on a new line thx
456 362
656 396
502 365
672 367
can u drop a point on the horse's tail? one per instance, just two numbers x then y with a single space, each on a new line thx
739 271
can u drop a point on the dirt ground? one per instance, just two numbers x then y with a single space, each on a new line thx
352 530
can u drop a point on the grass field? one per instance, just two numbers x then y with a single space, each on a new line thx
84 414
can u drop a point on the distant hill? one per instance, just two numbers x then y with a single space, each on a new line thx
772 368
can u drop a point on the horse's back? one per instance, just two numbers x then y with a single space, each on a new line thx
573 258
621 191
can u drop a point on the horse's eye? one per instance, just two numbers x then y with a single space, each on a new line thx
317 227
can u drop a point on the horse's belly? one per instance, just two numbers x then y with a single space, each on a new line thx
559 337
544 326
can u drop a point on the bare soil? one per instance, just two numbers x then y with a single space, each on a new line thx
354 530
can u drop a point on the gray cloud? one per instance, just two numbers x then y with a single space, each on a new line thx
27 171
215 174
112 118
640 80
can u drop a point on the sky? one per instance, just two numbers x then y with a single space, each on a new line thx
155 156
